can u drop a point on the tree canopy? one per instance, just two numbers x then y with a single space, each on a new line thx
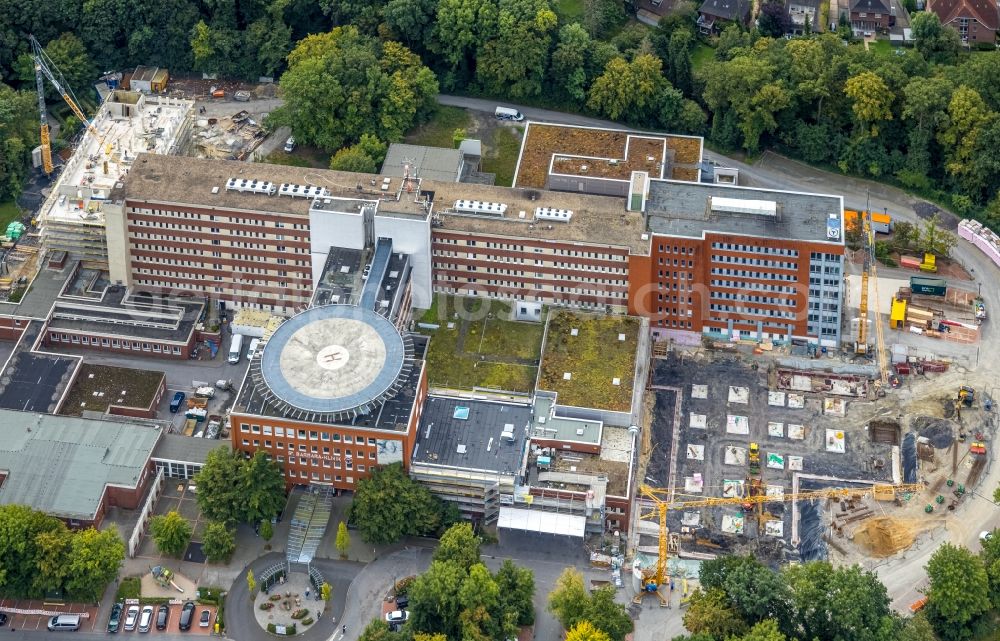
389 505
233 489
171 532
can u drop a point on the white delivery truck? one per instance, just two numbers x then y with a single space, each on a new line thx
236 349
506 113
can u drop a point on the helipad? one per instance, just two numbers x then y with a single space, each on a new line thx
333 359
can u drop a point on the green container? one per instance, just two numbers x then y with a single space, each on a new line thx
928 286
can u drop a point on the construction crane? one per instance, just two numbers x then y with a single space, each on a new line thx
45 67
869 276
657 577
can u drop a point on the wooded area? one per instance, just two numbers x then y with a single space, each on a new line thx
923 117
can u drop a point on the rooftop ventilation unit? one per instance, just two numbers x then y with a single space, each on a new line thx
744 206
479 207
248 185
302 191
550 213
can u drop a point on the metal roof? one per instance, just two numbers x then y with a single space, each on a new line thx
474 442
432 163
60 465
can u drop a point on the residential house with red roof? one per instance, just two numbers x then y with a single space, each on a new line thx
974 20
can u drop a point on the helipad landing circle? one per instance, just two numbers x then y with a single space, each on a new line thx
332 359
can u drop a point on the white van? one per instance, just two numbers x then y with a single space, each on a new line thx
235 349
254 344
506 113
68 622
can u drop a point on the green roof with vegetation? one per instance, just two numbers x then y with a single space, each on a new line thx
476 345
593 358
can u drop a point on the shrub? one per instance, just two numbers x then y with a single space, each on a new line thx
266 605
210 596
274 597
271 628
129 588
300 614
307 621
403 585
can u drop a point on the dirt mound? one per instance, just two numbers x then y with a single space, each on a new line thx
939 431
884 536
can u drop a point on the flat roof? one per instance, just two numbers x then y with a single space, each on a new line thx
180 448
333 358
131 315
595 152
583 356
42 292
465 433
35 381
97 387
676 208
340 278
129 123
599 221
433 163
547 425
61 465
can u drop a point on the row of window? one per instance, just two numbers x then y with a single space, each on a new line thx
674 323
117 343
663 273
540 287
538 262
826 282
537 250
830 258
218 243
819 269
159 224
757 249
676 250
786 302
305 435
753 286
277 224
752 311
553 300
756 262
816 318
746 273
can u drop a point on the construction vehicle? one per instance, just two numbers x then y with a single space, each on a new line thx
754 459
45 67
662 501
966 395
869 276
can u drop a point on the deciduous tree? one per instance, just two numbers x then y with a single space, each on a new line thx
459 545
585 631
709 612
871 100
773 20
836 604
517 588
629 90
435 604
171 533
365 157
413 510
219 492
263 488
753 590
602 17
94 561
515 60
936 42
607 615
218 542
958 593
568 599
343 542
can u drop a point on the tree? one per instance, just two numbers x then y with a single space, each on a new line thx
251 582
835 604
935 240
218 543
773 21
568 599
585 631
459 545
263 488
969 119
93 563
414 511
411 20
925 105
343 542
935 42
479 597
266 530
871 100
569 61
709 612
514 61
766 630
361 86
602 17
679 60
364 157
958 593
628 90
171 533
733 41
744 95
916 628
378 630
19 126
325 591
52 549
607 615
435 603
20 527
219 496
70 57
517 589
460 27
754 591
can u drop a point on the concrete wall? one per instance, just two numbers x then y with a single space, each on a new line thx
588 185
116 228
333 229
410 236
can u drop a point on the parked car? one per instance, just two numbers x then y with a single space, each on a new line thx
115 621
187 615
146 619
254 346
985 536
64 622
131 617
397 616
175 404
162 616
3 619
290 145
206 616
402 602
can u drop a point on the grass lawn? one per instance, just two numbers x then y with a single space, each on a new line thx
501 159
701 56
495 353
8 211
281 158
881 48
593 358
569 10
98 386
437 132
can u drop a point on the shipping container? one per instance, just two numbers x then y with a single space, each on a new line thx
928 286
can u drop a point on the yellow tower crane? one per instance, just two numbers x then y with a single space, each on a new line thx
656 578
45 67
869 275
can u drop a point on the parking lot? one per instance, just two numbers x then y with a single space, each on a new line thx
39 621
173 621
